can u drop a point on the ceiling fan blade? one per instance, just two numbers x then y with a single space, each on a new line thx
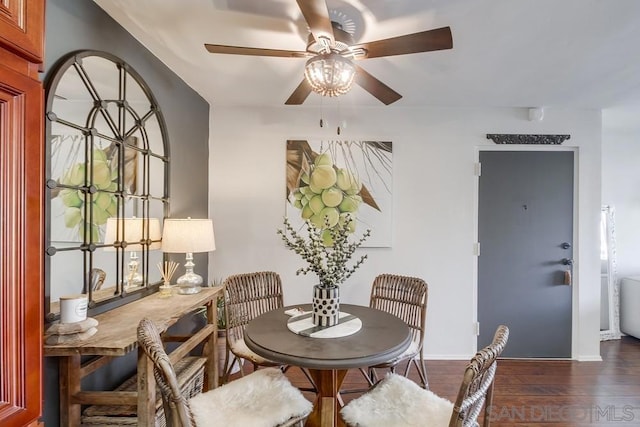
375 87
299 94
425 41
316 14
255 51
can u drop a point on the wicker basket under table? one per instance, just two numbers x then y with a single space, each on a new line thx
190 373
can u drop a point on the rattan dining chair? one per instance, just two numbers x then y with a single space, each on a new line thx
397 400
263 398
405 297
247 296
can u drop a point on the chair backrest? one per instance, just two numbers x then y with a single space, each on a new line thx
248 296
176 406
404 297
95 279
477 384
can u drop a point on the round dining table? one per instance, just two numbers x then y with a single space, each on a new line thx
381 337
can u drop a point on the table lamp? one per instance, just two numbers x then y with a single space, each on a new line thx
188 236
129 235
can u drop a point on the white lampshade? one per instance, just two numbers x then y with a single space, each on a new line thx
132 231
188 235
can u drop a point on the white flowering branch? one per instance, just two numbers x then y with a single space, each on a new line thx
327 261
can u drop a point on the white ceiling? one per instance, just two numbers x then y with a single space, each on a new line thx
507 53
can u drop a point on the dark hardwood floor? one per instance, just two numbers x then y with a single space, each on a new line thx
549 393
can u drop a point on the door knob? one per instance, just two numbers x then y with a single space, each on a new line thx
565 245
567 261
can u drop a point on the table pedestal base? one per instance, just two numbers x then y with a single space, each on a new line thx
326 408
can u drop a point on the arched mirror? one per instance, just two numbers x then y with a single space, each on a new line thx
610 289
107 181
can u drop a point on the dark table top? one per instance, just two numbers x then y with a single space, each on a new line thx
381 338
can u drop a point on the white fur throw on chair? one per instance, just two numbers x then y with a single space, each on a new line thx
264 398
397 401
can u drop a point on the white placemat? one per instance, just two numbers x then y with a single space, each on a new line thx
303 325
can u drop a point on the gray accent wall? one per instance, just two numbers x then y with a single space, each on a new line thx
80 24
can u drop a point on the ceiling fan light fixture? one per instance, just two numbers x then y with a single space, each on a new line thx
330 74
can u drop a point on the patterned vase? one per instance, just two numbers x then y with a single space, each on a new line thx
326 306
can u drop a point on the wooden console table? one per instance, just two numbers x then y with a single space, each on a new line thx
117 336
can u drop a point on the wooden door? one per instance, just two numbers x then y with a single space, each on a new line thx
21 216
525 229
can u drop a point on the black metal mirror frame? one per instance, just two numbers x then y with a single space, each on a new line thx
123 129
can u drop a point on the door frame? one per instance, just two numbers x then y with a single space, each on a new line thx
576 247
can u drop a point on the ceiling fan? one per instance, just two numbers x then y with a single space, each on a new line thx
332 50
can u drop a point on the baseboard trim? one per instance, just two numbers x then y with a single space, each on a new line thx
596 358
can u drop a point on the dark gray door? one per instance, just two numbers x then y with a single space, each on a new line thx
525 225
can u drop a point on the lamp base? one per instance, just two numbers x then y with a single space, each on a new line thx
134 278
189 290
189 283
134 281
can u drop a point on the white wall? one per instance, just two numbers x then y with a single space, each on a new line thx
434 226
620 183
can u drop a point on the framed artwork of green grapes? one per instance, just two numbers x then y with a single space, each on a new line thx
328 180
71 167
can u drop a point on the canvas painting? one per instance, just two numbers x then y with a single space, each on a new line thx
328 180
